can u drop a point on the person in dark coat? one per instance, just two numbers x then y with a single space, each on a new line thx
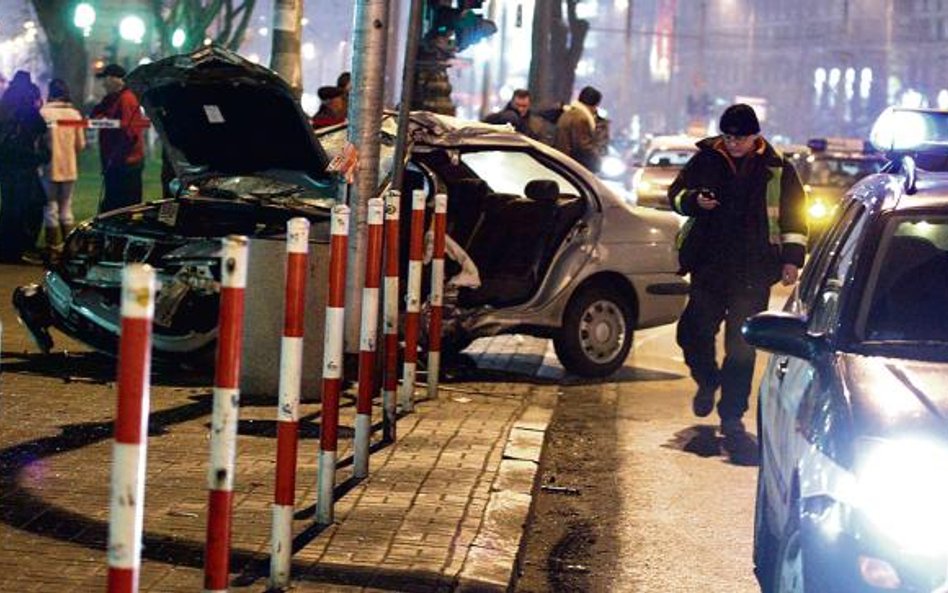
517 114
576 130
121 150
331 108
746 230
23 149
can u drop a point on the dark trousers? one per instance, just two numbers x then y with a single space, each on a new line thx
123 187
707 307
21 212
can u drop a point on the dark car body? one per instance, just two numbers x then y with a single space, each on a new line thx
558 254
853 409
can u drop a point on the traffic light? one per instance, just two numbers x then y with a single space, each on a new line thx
471 27
462 20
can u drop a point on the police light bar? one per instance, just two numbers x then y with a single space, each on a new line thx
837 144
901 129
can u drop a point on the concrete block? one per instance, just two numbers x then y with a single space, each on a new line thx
263 318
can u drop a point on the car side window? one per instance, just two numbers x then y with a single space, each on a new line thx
815 268
825 309
509 172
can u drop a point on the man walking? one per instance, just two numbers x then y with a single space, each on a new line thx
576 133
121 150
746 230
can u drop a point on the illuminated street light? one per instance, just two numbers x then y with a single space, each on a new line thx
178 38
309 51
132 28
84 17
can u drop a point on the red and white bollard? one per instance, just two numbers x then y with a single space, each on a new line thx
368 339
291 373
220 475
413 299
390 315
437 294
127 496
332 364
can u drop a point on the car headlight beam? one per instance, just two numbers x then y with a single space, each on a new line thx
901 490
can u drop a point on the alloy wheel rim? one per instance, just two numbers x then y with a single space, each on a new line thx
602 331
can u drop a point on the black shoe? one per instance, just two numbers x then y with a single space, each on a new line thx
703 402
732 427
32 310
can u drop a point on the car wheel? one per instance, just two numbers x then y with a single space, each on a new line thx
597 332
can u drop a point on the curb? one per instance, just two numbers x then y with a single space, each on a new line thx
492 558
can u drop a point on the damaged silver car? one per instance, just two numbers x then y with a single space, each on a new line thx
547 249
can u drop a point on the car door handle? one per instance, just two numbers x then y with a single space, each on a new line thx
782 365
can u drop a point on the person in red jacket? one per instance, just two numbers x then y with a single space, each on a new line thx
331 107
121 150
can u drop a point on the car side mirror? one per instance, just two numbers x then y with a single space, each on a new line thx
781 333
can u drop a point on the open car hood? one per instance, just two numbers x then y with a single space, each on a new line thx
221 115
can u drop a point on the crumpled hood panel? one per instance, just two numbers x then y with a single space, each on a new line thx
220 114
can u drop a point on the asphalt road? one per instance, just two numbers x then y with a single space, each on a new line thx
636 493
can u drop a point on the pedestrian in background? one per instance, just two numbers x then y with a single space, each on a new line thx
59 176
331 107
344 84
746 230
576 130
23 149
517 114
121 150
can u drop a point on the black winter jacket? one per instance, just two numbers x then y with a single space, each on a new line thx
759 225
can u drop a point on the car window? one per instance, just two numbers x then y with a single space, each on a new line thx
669 158
825 309
907 290
838 171
508 172
815 268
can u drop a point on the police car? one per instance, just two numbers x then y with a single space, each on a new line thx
853 405
827 169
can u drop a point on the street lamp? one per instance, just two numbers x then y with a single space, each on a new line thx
178 38
84 17
132 28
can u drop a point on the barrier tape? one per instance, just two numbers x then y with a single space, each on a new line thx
99 123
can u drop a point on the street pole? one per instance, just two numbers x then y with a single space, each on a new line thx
408 85
365 121
287 31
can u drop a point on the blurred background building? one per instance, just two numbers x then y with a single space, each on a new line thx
810 67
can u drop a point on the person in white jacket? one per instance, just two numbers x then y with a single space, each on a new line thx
59 176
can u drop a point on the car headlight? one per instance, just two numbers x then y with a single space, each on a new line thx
818 209
901 490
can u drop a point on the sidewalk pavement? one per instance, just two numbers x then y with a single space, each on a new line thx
443 508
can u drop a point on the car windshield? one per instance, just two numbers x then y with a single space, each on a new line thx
838 171
669 158
907 293
265 189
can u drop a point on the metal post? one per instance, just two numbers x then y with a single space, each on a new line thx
369 337
291 365
220 475
413 300
390 315
437 295
332 364
129 451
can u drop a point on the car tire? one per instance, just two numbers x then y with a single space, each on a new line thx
597 332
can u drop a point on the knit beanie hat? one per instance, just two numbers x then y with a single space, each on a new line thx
739 120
